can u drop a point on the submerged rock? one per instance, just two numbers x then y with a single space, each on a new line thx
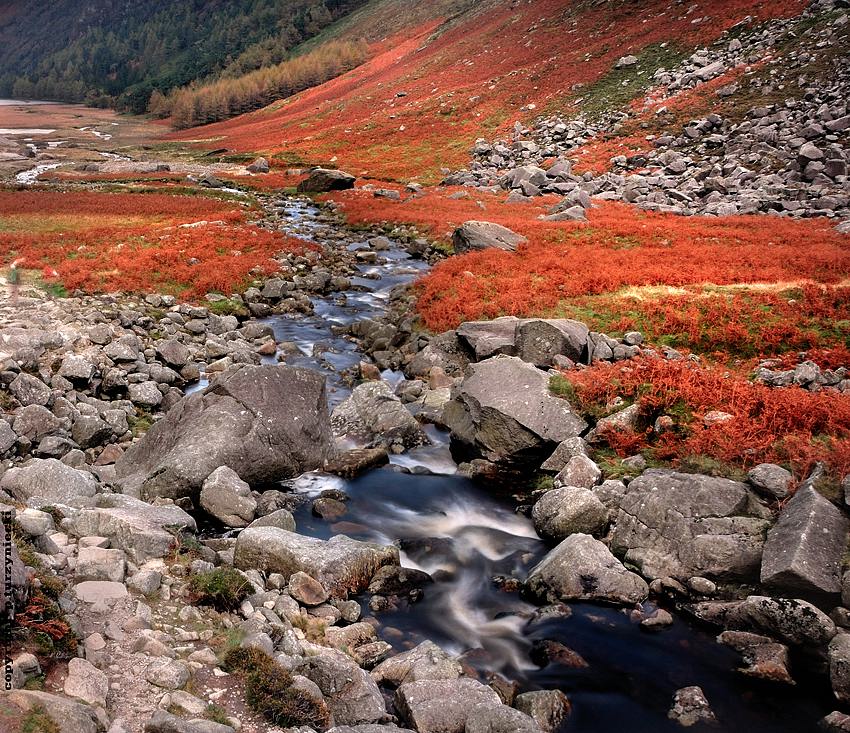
265 422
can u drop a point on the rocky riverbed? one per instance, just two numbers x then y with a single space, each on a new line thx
396 559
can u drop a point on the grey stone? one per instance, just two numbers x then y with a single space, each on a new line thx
350 693
87 683
341 565
680 525
267 423
805 547
29 390
771 480
839 666
563 453
489 338
690 706
50 480
374 413
478 235
582 568
168 673
228 498
519 423
792 621
426 661
68 715
144 531
281 518
497 718
580 471
322 180
441 706
15 584
550 708
97 563
164 722
146 394
569 510
539 341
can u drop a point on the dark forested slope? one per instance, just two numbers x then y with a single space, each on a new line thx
119 51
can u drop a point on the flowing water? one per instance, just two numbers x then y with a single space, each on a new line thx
465 535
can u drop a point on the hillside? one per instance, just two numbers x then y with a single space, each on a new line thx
470 70
114 52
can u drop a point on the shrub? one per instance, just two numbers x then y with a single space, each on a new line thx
38 721
269 691
222 588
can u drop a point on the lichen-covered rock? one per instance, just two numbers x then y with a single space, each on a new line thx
570 510
679 525
441 706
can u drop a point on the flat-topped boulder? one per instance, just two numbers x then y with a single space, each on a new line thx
50 481
489 338
144 531
267 423
681 525
504 412
805 548
342 565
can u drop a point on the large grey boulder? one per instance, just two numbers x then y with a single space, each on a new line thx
582 568
143 531
441 706
68 715
228 498
29 390
477 235
99 563
373 413
804 549
350 693
504 412
570 510
679 525
86 682
426 661
489 338
49 481
265 422
793 621
539 341
342 565
322 180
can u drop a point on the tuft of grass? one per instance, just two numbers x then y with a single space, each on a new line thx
222 588
216 714
269 691
38 721
228 308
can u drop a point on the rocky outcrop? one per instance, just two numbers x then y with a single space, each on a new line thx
519 423
264 422
806 546
679 525
341 565
582 568
478 235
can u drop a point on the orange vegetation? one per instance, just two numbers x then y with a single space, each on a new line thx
788 426
422 99
103 242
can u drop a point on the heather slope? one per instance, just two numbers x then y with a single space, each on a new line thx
430 89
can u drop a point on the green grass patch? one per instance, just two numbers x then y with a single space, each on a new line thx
222 588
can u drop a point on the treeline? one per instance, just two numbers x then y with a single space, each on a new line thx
200 105
118 53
